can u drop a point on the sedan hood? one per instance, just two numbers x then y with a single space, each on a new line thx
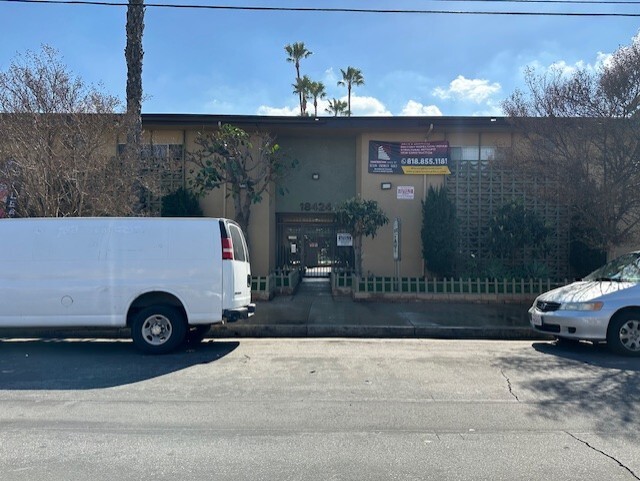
585 291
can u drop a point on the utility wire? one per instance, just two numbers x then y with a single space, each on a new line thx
344 10
564 2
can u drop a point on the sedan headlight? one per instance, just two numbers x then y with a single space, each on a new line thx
581 306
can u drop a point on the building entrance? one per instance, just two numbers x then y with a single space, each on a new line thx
308 242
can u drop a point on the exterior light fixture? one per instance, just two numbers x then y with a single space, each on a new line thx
315 176
385 185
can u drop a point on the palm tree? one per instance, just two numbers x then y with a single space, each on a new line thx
352 76
316 90
133 55
302 87
297 52
337 107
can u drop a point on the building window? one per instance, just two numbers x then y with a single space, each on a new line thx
168 164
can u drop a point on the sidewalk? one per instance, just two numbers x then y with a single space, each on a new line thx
313 312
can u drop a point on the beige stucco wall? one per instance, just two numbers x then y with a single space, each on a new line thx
261 234
163 136
262 222
377 253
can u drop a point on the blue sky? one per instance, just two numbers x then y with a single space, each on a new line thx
233 62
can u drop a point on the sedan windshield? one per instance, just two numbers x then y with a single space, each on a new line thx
625 268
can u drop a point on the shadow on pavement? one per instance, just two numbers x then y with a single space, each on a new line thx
577 377
61 364
589 353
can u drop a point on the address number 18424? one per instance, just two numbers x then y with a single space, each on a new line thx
316 206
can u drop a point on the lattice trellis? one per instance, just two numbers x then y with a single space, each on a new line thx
480 187
170 174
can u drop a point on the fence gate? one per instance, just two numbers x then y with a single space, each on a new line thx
308 242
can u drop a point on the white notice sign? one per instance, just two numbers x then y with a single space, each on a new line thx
406 192
344 239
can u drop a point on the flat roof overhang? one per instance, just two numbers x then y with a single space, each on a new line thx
346 125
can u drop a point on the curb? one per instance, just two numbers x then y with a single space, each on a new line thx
298 331
395 332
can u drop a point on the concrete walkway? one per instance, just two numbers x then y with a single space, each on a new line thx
313 312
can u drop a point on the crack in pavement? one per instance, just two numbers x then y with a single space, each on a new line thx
509 385
604 454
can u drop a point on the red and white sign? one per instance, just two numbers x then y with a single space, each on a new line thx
406 192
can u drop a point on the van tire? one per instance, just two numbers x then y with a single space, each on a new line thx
158 329
623 334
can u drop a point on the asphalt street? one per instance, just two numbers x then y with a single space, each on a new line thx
318 409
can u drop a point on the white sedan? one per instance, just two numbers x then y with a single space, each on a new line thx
604 306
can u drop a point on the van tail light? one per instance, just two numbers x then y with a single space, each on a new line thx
227 249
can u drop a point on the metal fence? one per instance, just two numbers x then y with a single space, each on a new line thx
308 243
283 282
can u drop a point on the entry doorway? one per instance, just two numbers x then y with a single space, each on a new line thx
308 242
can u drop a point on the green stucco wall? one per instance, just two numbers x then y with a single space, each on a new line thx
333 159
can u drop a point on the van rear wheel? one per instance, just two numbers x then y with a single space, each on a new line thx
158 329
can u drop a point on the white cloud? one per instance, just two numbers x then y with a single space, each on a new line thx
603 60
565 69
416 109
475 90
360 106
491 109
216 106
278 111
367 106
330 77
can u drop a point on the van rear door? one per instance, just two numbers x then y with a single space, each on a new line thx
236 268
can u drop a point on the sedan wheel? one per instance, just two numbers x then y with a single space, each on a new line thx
623 335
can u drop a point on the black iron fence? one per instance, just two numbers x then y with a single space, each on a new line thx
308 242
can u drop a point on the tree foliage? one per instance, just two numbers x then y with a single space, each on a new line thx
581 130
302 87
296 52
439 232
350 77
513 229
248 164
181 203
57 144
361 218
337 107
316 91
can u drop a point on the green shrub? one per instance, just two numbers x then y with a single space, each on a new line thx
181 203
439 232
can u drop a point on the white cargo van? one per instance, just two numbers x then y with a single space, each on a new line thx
165 278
